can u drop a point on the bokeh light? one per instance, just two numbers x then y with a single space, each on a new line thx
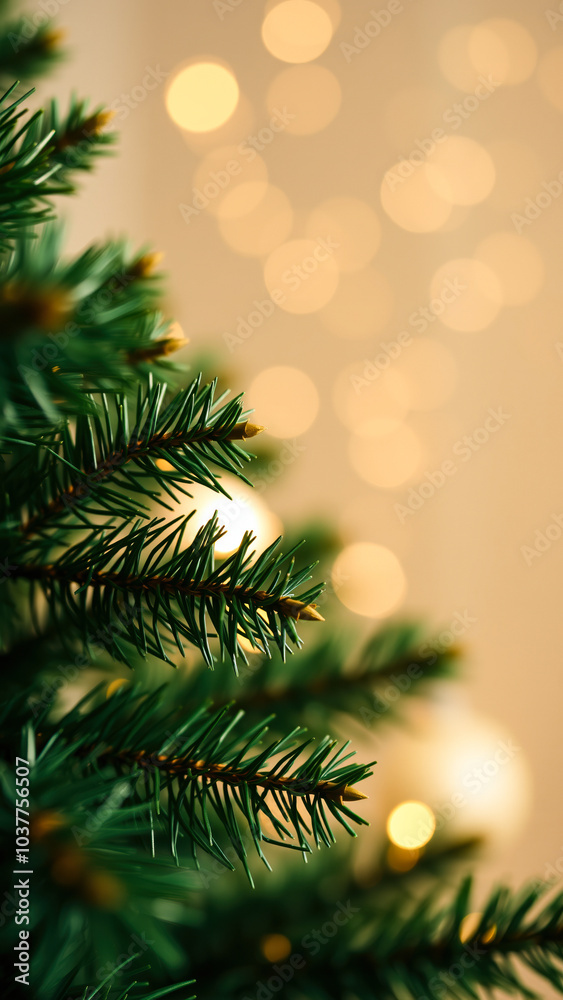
401 859
202 96
428 373
311 94
385 453
550 76
411 824
362 305
301 275
410 200
470 925
454 60
476 294
275 947
369 579
296 31
368 390
502 50
242 199
246 511
460 170
286 400
517 264
254 232
498 50
352 224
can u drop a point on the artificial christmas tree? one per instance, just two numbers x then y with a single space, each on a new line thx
127 819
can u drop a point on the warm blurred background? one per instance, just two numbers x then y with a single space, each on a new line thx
361 212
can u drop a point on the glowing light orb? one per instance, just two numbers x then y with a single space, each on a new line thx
297 31
202 96
411 824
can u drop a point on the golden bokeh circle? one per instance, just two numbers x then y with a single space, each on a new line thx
297 31
202 96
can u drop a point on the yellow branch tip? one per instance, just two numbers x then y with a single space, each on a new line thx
298 610
351 794
244 430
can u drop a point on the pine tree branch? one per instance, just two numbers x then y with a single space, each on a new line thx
183 767
27 49
143 596
383 944
188 434
394 665
38 156
217 775
73 327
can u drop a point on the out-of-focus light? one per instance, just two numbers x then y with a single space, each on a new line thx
479 300
310 94
401 859
550 76
256 231
429 373
297 31
385 453
410 200
246 645
221 172
517 264
242 199
202 96
454 60
301 275
352 224
469 926
367 391
362 305
275 947
245 512
461 171
411 824
369 579
503 50
286 400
